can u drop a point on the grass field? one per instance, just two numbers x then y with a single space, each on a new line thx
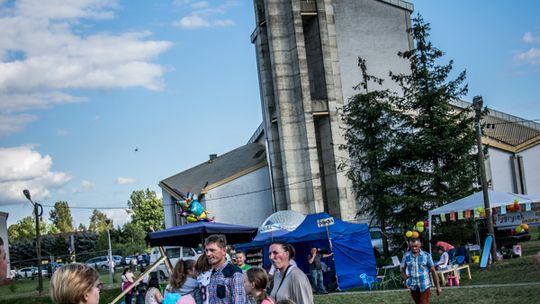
514 281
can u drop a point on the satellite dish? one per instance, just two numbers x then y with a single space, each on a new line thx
282 220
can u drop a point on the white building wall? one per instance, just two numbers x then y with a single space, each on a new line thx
531 164
501 170
228 203
168 209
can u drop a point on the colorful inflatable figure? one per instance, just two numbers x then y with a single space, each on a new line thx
192 209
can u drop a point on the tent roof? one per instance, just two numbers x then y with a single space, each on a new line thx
475 200
191 235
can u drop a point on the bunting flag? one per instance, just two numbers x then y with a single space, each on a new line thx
443 218
468 213
460 215
452 216
476 213
527 206
503 209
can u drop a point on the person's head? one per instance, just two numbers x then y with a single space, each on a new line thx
215 247
240 258
202 264
440 249
75 283
182 270
280 254
126 270
285 301
415 245
255 282
313 251
153 282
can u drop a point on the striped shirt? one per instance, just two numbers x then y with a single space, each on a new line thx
418 268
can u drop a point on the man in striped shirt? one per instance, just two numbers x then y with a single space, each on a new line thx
415 268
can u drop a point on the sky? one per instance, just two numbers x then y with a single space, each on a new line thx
99 98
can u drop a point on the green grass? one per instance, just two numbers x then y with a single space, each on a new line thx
518 270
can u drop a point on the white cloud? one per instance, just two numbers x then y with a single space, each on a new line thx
528 37
85 186
125 180
203 15
14 123
52 57
24 168
119 216
530 56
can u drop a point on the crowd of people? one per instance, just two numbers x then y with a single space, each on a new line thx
213 278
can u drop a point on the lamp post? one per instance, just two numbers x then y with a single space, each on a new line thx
38 210
477 105
111 263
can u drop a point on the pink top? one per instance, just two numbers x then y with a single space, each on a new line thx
267 301
444 245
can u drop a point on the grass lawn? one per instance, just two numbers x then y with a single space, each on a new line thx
520 271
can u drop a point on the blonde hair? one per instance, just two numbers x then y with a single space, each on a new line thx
71 282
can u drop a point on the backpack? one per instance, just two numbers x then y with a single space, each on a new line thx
171 298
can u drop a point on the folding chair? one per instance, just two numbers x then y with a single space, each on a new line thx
368 281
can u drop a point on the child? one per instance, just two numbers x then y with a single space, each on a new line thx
153 295
183 281
255 282
204 269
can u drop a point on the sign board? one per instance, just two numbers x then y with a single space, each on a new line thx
513 219
325 222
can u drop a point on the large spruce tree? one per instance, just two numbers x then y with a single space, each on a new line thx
436 161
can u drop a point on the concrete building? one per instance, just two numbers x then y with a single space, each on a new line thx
307 54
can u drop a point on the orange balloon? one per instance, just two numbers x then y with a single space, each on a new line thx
415 235
524 226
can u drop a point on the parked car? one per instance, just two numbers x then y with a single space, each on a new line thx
99 263
117 259
175 254
30 272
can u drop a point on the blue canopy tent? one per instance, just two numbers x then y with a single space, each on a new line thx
351 244
191 235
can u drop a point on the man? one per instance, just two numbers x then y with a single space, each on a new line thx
447 248
3 263
241 261
315 268
415 268
227 281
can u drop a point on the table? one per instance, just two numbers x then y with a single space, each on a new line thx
455 270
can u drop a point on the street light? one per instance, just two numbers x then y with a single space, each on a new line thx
477 106
37 213
111 263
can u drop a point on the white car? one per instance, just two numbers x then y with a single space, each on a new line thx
30 272
99 263
175 254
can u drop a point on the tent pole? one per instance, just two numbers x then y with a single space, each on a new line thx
430 226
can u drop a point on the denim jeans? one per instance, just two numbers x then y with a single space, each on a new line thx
317 281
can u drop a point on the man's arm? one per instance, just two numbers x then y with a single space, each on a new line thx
436 279
311 258
238 292
328 255
404 276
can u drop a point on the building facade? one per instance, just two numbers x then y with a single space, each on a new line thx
307 55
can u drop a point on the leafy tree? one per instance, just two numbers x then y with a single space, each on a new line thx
147 210
436 161
81 227
373 125
60 216
99 222
25 228
85 245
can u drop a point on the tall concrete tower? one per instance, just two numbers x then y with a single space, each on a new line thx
307 53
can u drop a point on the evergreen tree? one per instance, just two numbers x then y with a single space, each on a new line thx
436 161
60 217
372 127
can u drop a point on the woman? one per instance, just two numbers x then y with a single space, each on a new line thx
183 282
75 284
255 282
443 260
289 281
153 295
127 279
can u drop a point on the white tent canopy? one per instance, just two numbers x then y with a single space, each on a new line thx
475 200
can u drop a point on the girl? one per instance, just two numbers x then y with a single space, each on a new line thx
255 282
183 281
204 269
153 295
127 279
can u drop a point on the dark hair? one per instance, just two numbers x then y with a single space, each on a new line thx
218 239
240 252
153 282
414 240
1 241
259 278
126 269
180 273
202 264
286 247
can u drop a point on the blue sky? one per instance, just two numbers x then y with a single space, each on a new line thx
82 85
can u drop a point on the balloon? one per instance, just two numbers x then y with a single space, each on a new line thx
519 229
510 208
421 229
426 223
481 209
517 207
415 235
483 214
408 234
420 224
516 201
524 227
192 209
